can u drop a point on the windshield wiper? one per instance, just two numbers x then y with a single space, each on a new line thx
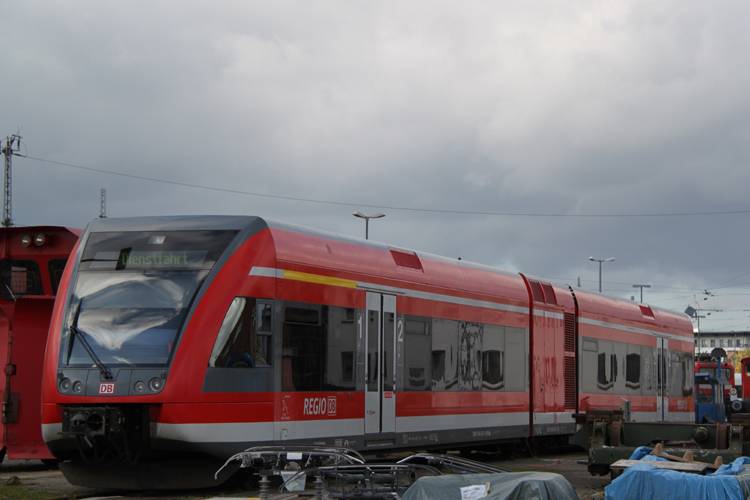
81 335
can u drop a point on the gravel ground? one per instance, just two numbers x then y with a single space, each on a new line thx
39 477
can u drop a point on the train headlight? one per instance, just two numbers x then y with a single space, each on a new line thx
156 384
78 387
40 239
139 386
26 240
65 385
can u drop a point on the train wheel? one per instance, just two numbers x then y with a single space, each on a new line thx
2 453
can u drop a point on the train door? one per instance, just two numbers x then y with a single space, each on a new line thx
380 368
661 364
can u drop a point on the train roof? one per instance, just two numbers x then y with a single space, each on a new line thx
172 223
358 255
593 303
294 243
382 246
244 222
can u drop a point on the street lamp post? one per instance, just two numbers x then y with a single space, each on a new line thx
600 268
367 221
641 287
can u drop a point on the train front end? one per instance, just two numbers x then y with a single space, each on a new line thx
116 345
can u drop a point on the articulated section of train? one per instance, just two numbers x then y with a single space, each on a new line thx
183 338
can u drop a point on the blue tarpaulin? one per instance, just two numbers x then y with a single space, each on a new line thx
733 469
644 481
642 453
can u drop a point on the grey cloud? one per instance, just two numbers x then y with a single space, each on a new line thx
533 107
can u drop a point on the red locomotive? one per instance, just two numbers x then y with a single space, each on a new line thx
32 260
183 338
706 364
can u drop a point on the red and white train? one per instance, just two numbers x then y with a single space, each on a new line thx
182 338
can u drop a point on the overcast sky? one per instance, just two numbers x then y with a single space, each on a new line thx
524 135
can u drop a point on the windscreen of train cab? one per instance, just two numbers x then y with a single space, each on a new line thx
132 293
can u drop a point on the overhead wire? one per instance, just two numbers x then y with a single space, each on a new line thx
388 207
413 209
727 281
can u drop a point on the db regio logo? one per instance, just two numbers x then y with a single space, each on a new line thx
320 406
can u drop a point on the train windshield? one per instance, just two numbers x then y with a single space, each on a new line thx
133 292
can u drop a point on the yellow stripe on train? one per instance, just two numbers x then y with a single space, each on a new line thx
322 280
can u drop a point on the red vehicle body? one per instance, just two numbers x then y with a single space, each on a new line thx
727 372
32 260
214 334
745 371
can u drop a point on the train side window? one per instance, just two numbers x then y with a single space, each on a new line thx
588 345
303 341
647 357
607 372
633 370
688 375
470 336
340 338
492 370
19 278
241 343
418 357
264 314
444 354
347 366
515 377
493 358
682 375
318 348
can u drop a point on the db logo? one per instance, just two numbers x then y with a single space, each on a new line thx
332 405
107 388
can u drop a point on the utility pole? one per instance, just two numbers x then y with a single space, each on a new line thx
11 148
641 287
600 268
103 204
